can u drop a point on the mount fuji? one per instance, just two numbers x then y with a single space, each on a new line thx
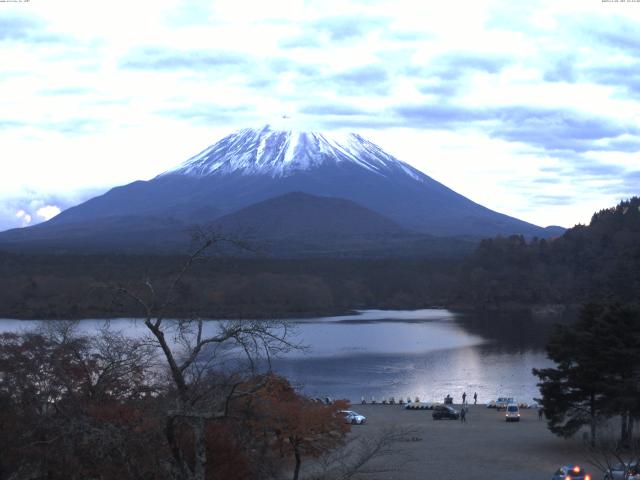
247 169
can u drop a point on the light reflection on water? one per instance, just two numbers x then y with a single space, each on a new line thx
425 353
383 332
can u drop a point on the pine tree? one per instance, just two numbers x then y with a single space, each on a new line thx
597 373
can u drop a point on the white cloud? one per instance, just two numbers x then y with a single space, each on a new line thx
48 212
24 217
29 207
75 112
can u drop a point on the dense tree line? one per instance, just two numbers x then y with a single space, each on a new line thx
67 286
598 262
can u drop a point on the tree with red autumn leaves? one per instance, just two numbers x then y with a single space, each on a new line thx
75 407
295 425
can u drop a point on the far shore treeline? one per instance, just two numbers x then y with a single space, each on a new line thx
595 262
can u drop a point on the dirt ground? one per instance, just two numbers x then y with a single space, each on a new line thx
486 447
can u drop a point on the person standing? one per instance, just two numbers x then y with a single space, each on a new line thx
475 398
463 415
464 398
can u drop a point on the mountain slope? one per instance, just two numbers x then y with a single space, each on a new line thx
123 233
302 225
293 225
254 165
299 214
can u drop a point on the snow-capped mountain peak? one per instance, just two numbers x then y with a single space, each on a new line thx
280 153
253 166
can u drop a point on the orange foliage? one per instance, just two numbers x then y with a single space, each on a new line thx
294 424
226 459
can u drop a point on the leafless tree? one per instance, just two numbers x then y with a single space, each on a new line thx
204 361
608 453
111 362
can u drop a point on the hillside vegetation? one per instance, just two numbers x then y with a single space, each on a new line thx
595 262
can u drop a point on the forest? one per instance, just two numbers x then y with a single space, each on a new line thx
65 286
595 262
599 262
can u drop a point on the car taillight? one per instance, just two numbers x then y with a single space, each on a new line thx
587 477
576 469
567 477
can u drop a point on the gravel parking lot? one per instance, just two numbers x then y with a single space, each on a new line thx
486 447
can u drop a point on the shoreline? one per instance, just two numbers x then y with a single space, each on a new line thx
550 313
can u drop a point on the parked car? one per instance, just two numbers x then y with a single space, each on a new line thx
513 413
445 412
571 472
354 418
629 471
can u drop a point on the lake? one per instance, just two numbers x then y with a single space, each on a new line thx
425 353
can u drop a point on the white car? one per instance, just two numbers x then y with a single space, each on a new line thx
513 413
354 418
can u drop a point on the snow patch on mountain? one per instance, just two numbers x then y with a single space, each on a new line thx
279 153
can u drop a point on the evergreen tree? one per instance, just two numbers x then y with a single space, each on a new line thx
572 392
618 330
597 371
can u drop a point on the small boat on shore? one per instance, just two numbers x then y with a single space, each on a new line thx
421 405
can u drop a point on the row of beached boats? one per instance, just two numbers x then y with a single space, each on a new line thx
415 403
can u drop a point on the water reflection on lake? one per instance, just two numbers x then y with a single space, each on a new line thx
425 353
384 332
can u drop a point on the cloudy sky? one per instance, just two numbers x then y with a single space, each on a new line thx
529 108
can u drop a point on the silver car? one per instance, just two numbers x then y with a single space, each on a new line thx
354 418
